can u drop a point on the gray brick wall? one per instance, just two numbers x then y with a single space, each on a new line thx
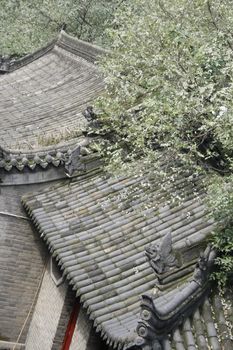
11 346
46 315
22 259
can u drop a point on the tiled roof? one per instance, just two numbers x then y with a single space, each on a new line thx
209 327
42 96
98 228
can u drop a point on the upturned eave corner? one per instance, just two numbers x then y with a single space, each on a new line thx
156 322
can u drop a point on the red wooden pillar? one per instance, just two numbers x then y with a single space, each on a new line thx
71 327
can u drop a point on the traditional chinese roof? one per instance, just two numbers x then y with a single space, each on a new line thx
42 97
98 229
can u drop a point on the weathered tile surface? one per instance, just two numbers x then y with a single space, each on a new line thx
210 327
44 98
97 228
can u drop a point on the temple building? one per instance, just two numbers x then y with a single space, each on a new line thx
91 262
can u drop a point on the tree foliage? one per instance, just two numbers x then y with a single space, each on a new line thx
171 64
220 201
26 25
169 81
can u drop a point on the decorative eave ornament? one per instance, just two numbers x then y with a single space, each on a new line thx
20 160
73 163
158 319
4 64
161 257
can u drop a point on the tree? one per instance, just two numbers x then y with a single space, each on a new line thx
27 25
169 81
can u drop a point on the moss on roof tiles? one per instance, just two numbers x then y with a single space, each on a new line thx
117 236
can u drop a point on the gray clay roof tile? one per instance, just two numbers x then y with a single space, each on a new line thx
34 117
100 244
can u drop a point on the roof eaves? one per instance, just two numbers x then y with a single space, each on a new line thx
79 47
69 43
160 316
73 157
10 66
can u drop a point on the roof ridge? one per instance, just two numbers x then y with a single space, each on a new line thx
84 49
63 156
10 66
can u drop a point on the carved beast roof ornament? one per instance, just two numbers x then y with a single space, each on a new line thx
73 163
161 257
201 271
4 64
89 114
